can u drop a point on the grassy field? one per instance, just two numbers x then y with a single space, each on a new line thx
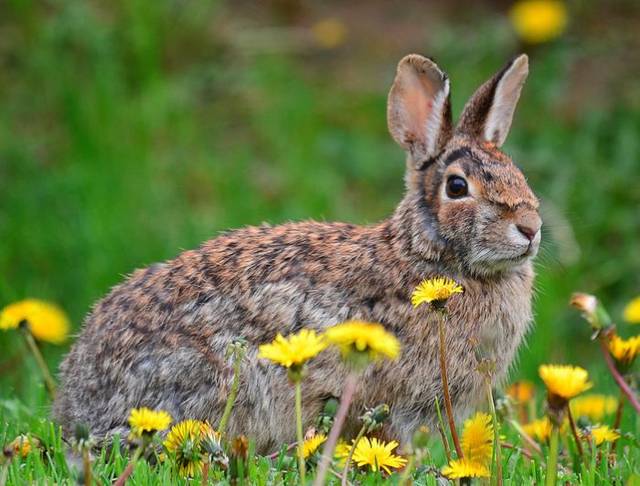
132 130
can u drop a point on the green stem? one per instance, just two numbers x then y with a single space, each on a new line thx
526 437
404 479
231 400
44 369
497 454
443 435
576 437
5 472
552 460
132 463
301 465
347 463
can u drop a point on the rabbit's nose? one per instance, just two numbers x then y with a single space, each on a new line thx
528 230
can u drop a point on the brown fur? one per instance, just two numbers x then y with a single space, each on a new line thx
158 339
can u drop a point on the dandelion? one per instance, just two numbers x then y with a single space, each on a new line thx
564 382
477 438
593 406
292 353
631 312
311 445
463 468
538 21
185 442
539 429
435 291
46 321
359 337
295 350
23 445
378 455
341 452
359 342
329 33
624 350
602 434
146 421
521 391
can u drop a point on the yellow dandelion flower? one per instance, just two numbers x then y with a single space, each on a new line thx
539 429
437 289
624 350
477 438
538 21
294 350
329 33
312 444
521 391
464 468
564 382
364 337
47 322
23 445
631 312
341 452
184 441
593 406
144 420
603 433
377 455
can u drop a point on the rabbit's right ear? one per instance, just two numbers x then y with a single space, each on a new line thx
419 109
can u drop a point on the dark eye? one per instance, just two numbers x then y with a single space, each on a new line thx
456 187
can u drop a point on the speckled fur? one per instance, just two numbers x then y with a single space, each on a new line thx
158 339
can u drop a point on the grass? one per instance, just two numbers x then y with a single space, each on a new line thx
139 129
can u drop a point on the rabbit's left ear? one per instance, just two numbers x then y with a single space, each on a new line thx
489 112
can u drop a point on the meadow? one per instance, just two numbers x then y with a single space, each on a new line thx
133 130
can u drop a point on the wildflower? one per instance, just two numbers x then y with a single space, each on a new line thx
435 291
521 391
538 21
295 350
311 445
564 382
602 433
363 337
593 406
185 441
539 429
341 452
146 421
329 33
477 438
23 445
377 455
464 468
632 311
624 350
585 303
46 321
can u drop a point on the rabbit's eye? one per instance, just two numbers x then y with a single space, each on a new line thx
456 187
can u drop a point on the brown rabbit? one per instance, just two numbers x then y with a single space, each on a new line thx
159 339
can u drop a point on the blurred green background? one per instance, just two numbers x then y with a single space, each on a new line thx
131 130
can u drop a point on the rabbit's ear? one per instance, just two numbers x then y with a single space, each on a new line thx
489 112
419 110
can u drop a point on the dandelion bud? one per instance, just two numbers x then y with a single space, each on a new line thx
591 309
81 432
373 418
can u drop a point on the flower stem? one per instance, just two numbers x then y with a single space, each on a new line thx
231 399
527 438
552 460
301 465
445 387
86 464
44 369
576 437
347 463
404 479
205 473
618 419
624 386
122 479
341 415
497 454
443 435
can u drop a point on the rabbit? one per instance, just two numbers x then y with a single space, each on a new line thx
158 339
